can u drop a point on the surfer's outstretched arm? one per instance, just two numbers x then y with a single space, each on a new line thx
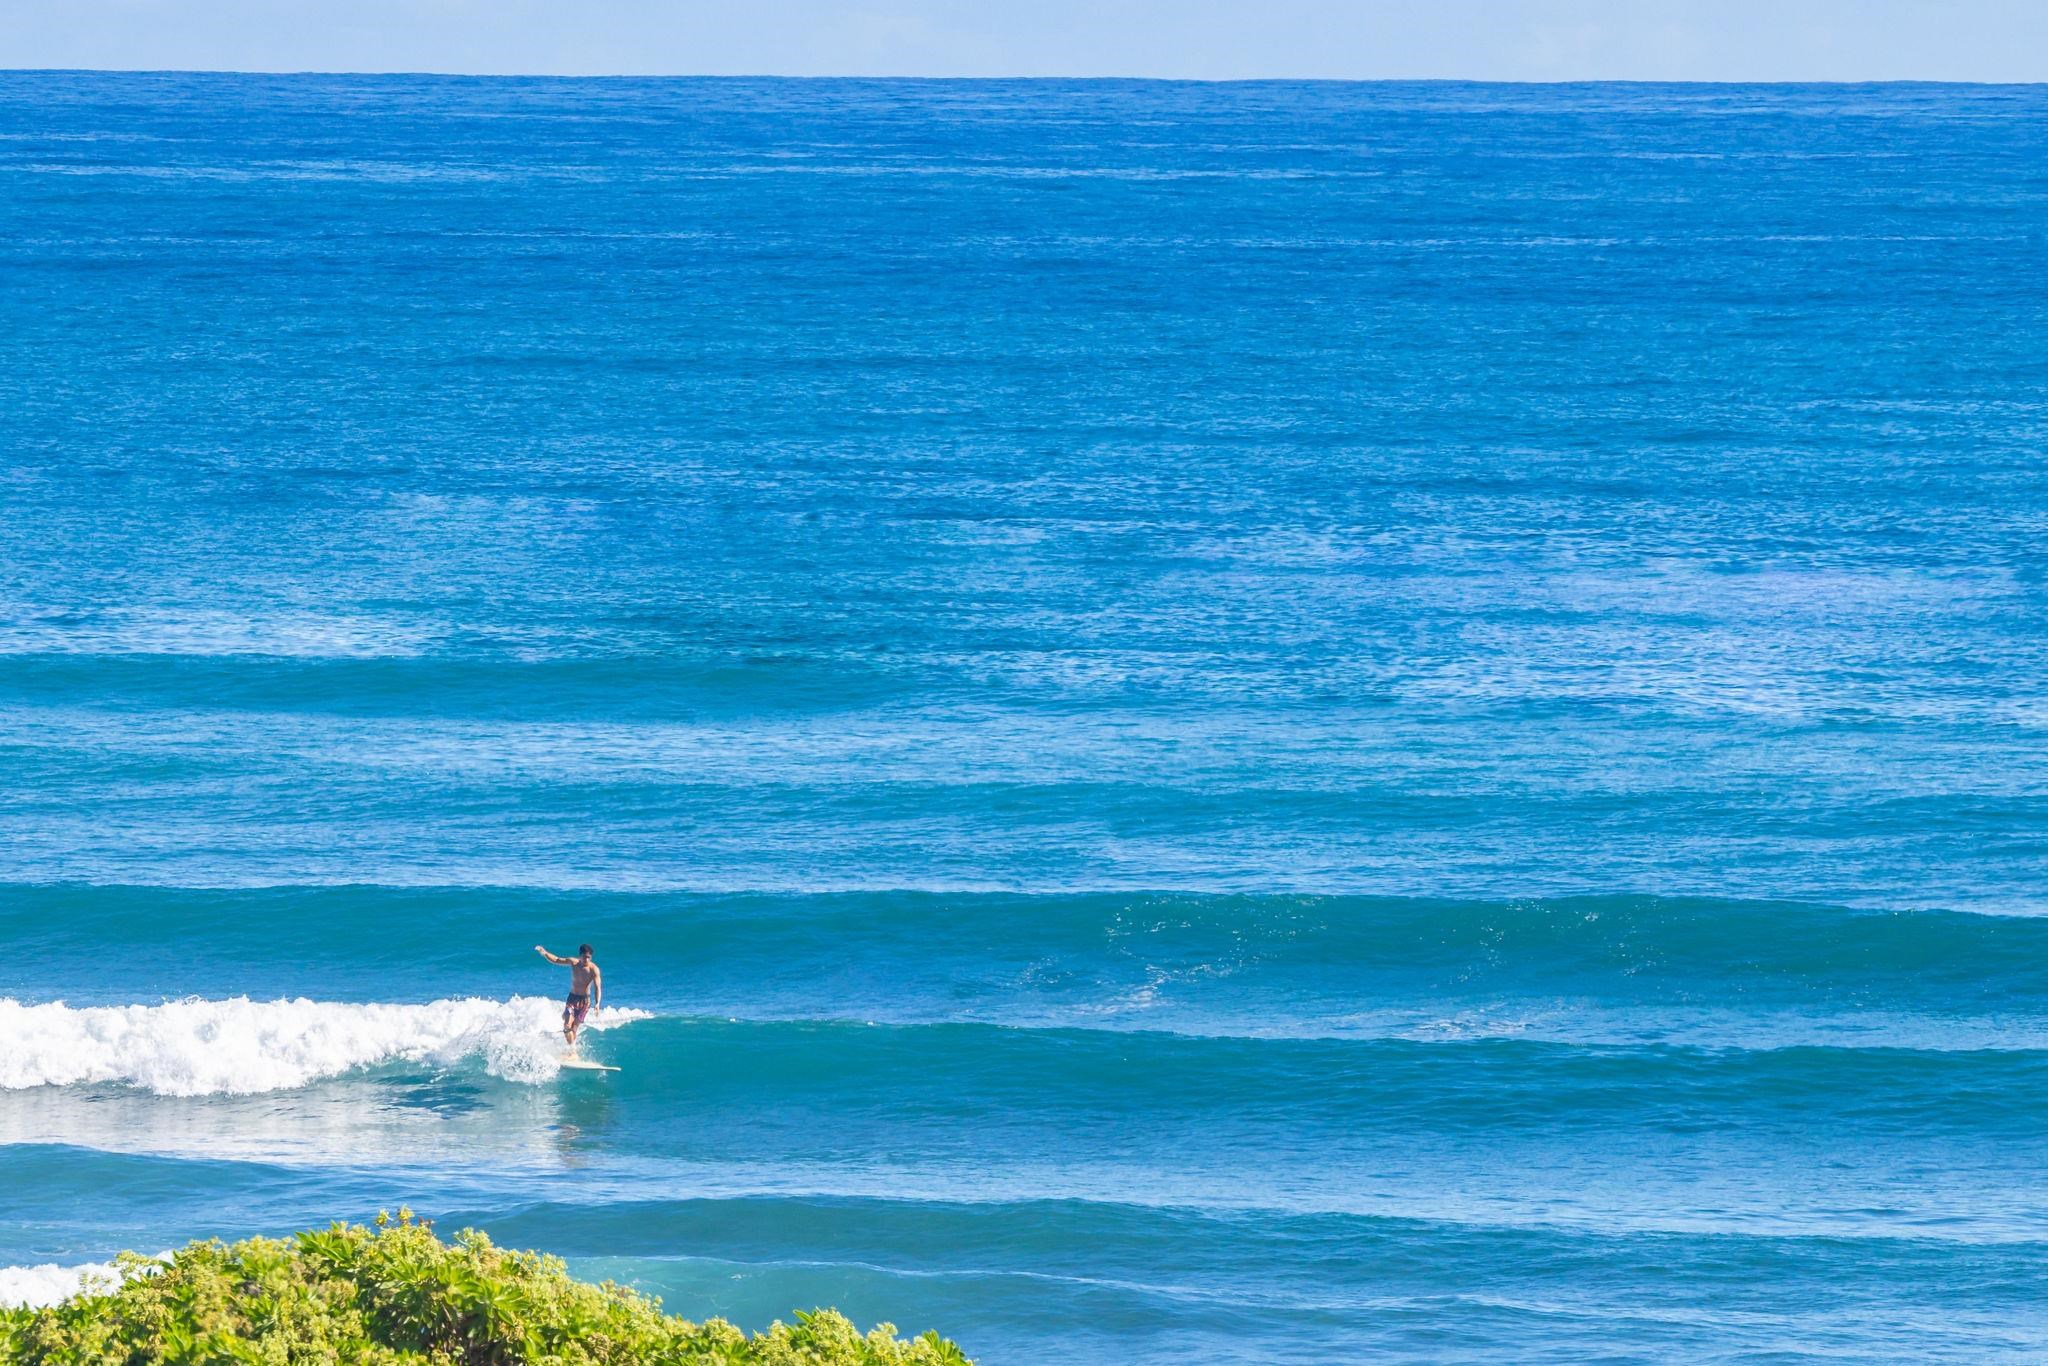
552 958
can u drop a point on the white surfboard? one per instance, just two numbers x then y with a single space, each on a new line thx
574 1064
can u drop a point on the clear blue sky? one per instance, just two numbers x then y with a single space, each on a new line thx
1985 40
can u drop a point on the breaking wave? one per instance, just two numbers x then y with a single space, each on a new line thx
33 1287
198 1047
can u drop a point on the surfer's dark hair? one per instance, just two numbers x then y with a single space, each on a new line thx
583 950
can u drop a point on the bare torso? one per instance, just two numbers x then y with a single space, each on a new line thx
586 990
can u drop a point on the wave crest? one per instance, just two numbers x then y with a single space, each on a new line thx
198 1047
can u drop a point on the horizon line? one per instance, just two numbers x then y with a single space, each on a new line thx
1007 79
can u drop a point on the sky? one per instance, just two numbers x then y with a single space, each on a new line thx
1520 40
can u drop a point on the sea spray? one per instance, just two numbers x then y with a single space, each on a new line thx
198 1047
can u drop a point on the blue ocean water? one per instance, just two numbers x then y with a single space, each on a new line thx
1253 723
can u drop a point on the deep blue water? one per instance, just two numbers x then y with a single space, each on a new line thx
1207 723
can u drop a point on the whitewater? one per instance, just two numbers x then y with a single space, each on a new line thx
234 1047
50 1284
1194 724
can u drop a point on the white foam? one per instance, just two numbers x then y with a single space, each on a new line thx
34 1287
198 1047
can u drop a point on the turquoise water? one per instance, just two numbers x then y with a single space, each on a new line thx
1194 723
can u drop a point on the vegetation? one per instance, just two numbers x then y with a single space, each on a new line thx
398 1294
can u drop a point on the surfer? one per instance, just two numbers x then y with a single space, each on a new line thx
586 988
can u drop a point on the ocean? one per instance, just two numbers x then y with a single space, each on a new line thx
1193 723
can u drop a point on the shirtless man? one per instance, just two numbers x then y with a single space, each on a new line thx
586 989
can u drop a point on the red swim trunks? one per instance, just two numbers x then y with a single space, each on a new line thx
575 1008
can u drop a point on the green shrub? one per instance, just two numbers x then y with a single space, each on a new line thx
398 1294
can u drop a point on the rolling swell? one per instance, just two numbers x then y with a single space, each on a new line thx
1103 1266
1594 970
985 1078
1254 1269
988 1077
267 675
1684 935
